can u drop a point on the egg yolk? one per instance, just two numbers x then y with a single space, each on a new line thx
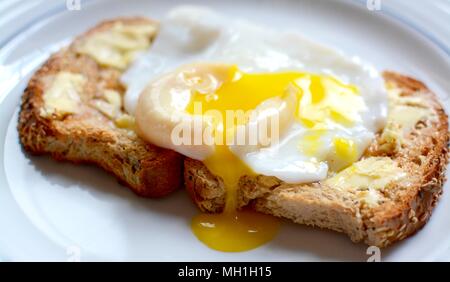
233 230
346 153
322 103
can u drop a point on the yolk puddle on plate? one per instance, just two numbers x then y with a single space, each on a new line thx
237 230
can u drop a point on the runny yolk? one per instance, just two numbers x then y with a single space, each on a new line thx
346 153
237 230
232 230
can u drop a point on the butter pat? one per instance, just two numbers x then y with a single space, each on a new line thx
369 197
371 173
110 105
113 97
63 96
125 121
118 46
408 116
105 108
404 113
407 111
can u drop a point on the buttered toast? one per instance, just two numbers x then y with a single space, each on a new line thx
72 109
383 198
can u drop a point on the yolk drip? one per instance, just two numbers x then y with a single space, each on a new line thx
233 230
322 99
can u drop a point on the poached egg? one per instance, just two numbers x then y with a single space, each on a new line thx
300 111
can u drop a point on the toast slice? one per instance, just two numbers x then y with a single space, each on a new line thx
72 109
383 198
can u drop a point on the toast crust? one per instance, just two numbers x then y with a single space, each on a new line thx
402 207
89 136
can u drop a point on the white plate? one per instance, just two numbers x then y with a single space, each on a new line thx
59 211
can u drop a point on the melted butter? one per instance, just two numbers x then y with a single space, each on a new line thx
371 173
63 96
323 100
119 45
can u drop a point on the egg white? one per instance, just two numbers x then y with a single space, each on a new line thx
195 34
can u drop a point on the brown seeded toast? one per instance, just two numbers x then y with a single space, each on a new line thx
90 130
386 196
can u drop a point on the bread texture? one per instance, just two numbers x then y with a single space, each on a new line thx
72 109
386 196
